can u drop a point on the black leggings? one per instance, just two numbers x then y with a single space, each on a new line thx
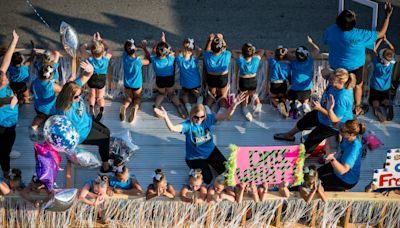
318 134
7 139
330 181
216 160
99 135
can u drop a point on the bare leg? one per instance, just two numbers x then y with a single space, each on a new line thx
175 100
357 97
210 100
125 104
160 97
137 95
100 101
26 96
222 93
92 101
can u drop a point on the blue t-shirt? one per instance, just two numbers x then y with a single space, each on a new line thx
8 116
133 77
279 70
217 63
79 117
163 67
39 66
18 74
343 105
248 67
199 138
44 96
351 155
382 76
302 74
100 66
189 72
347 48
115 183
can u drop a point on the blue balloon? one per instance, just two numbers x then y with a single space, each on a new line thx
60 133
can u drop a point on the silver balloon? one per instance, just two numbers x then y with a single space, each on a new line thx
62 200
69 38
122 146
83 158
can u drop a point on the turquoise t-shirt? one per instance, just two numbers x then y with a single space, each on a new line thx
115 183
163 67
18 74
8 115
79 117
189 72
347 48
343 105
382 76
39 66
133 77
248 67
100 65
44 96
302 74
279 70
351 155
217 63
199 138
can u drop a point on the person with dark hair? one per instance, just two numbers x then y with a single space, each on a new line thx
8 111
163 62
190 79
302 78
124 182
160 186
246 81
347 46
133 79
216 60
70 103
381 80
44 90
48 57
343 173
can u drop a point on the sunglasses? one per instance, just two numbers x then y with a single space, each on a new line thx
198 117
77 96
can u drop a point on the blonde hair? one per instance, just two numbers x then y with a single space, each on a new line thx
197 108
66 96
220 179
310 175
195 175
97 49
341 75
353 127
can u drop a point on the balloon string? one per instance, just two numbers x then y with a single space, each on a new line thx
37 13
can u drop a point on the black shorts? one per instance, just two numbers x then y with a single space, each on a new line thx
41 114
299 95
376 95
18 87
246 84
187 90
97 81
278 88
359 74
134 89
217 81
165 81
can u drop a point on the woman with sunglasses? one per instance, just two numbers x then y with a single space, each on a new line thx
91 132
200 148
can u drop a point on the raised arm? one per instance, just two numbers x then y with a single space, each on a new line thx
107 47
388 13
376 46
236 101
163 114
209 41
7 57
390 45
146 52
88 68
315 49
29 61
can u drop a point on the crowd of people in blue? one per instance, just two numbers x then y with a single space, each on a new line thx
289 86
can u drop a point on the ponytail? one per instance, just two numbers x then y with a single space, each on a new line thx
353 127
362 127
351 81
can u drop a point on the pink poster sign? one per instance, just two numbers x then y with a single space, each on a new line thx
269 164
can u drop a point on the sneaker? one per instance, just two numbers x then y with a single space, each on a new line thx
132 115
122 113
33 134
15 154
282 110
221 110
188 107
258 108
200 100
306 108
208 110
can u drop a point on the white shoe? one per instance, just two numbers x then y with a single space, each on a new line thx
258 108
188 107
15 154
208 110
306 108
200 100
221 110
247 114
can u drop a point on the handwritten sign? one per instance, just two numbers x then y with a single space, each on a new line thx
270 164
389 177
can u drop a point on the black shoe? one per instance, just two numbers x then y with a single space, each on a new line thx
99 116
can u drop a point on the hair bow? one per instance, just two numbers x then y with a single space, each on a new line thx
100 181
97 44
284 49
302 51
192 173
383 59
118 169
12 176
47 55
191 43
47 71
253 48
157 176
132 44
219 42
308 171
165 51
